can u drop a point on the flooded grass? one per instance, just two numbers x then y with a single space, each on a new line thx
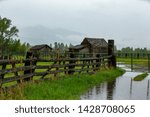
140 77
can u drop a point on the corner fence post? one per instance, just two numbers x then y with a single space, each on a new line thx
112 59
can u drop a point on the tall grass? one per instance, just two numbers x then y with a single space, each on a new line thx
67 87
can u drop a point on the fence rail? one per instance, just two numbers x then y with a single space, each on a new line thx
29 69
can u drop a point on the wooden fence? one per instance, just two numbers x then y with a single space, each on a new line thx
17 71
13 72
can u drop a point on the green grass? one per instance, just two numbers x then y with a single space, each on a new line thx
140 62
67 87
140 77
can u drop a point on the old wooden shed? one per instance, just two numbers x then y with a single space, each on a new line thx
41 50
91 45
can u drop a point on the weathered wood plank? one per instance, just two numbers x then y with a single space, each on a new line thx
61 70
11 79
15 61
72 59
6 71
65 65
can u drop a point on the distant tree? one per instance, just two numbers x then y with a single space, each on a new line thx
59 46
55 45
70 45
8 42
28 45
62 46
51 45
137 52
127 50
7 33
66 47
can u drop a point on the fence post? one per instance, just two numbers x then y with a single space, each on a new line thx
29 55
71 67
98 61
64 63
15 73
3 68
2 75
88 65
112 59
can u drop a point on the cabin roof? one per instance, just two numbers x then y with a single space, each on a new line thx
96 42
38 47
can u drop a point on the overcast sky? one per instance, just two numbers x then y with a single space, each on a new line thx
126 21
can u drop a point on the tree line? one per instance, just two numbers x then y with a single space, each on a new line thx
136 52
61 47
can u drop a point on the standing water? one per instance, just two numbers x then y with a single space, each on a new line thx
123 88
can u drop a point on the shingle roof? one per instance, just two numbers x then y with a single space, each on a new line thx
38 47
96 42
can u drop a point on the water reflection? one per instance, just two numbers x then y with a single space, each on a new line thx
148 90
110 89
123 88
131 87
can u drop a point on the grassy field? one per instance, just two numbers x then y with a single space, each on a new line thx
140 77
140 62
67 87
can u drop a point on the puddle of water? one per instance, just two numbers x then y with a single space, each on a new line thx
123 88
136 68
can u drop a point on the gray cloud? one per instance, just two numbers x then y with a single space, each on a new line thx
42 34
126 21
146 0
2 0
